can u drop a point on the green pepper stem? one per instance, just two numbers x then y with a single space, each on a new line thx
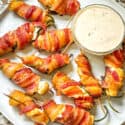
106 113
110 104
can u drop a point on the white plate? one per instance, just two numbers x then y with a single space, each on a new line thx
10 22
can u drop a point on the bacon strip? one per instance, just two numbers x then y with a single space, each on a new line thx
68 115
31 12
28 107
62 7
90 83
53 40
23 76
114 74
46 65
60 113
19 38
70 88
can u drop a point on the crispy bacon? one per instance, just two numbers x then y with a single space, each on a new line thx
70 88
61 113
31 12
19 38
67 114
53 40
91 84
83 102
27 106
114 73
53 110
62 7
23 76
46 65
115 59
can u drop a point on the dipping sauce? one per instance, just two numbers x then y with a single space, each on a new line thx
98 28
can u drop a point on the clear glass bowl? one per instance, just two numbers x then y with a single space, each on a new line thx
83 48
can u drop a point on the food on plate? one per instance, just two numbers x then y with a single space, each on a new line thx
49 110
24 77
48 64
64 85
28 107
53 40
18 39
62 7
31 12
90 83
114 73
67 114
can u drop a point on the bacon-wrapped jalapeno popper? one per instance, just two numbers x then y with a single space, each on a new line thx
31 12
40 114
19 38
70 88
114 74
24 77
53 40
67 114
46 65
27 106
90 83
62 7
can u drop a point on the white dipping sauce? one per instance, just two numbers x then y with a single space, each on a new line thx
98 28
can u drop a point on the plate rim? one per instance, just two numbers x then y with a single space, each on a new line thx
4 8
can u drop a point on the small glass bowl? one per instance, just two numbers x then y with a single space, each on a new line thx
83 48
